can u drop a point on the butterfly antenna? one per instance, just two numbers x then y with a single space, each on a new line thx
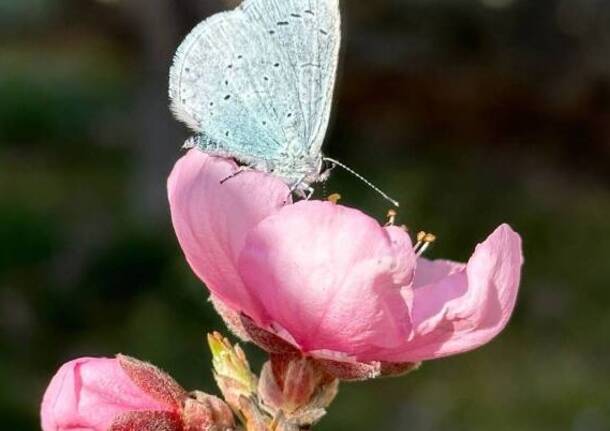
364 180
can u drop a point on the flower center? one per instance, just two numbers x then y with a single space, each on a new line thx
424 239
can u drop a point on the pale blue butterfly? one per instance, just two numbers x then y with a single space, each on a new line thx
256 84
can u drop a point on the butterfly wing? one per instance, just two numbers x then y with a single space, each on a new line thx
309 32
257 82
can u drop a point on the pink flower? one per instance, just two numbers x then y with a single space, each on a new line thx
328 281
124 394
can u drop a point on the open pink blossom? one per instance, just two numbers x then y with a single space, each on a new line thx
124 394
328 280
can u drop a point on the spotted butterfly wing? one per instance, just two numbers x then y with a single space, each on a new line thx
256 84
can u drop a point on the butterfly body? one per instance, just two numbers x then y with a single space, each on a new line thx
296 167
256 84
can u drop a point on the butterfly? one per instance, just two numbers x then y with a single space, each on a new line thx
256 84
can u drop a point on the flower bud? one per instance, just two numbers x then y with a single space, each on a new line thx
254 418
93 393
232 370
296 388
125 394
203 412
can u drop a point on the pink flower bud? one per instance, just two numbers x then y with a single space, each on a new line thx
125 394
296 388
91 393
203 412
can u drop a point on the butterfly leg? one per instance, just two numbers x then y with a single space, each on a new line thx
234 174
302 189
309 192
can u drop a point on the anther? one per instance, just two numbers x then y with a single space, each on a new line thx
420 237
424 240
430 238
334 198
392 214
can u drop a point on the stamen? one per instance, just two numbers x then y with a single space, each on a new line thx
420 240
430 238
421 236
423 249
391 217
424 240
334 198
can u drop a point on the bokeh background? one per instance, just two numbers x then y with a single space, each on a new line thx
470 112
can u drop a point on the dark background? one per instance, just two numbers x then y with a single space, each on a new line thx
470 112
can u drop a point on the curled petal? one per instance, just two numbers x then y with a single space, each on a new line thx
457 308
434 271
212 219
330 276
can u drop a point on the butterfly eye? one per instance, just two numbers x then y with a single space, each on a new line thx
327 166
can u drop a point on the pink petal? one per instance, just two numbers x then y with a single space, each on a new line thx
212 219
456 308
88 394
330 276
434 271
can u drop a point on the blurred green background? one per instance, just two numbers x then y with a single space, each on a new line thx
470 112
